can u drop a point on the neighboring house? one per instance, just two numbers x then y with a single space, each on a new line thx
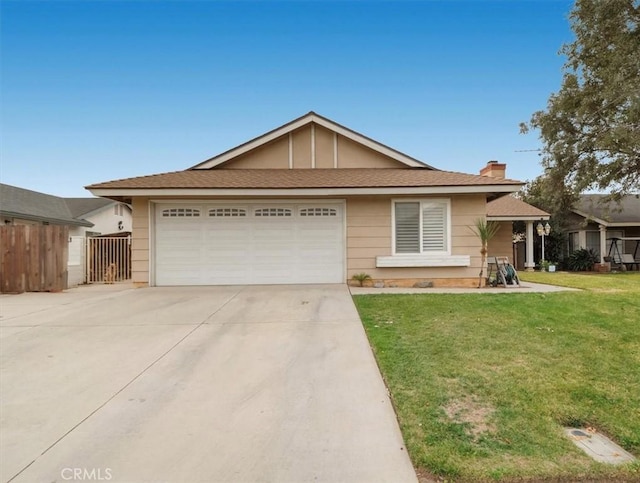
19 206
83 216
107 216
506 210
594 223
309 202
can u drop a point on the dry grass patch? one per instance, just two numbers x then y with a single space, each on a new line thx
474 415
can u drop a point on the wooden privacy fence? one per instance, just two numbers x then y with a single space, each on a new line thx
108 259
33 258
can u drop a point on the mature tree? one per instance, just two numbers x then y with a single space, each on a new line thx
591 128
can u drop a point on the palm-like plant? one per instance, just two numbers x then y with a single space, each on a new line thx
485 230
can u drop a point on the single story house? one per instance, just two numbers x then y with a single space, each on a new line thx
84 216
595 223
311 201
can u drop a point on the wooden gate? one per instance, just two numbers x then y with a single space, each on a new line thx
33 258
108 259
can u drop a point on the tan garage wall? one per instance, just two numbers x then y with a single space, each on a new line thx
369 235
140 242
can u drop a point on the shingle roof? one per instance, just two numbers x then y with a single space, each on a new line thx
593 205
303 178
33 205
511 207
81 206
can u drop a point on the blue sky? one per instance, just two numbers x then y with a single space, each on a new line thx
101 90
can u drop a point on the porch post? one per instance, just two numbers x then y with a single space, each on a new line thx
529 264
603 242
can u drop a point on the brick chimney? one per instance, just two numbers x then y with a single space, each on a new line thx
494 169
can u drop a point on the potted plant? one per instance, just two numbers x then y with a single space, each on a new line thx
547 266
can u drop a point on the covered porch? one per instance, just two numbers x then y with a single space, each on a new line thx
505 211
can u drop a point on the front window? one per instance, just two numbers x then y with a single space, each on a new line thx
421 227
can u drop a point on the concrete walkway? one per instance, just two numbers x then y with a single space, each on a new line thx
199 384
525 287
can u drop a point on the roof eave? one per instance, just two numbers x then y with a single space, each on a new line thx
55 221
603 222
309 118
518 218
328 191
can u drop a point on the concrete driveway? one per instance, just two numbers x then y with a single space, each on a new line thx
200 384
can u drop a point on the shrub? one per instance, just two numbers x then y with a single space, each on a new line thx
582 260
361 277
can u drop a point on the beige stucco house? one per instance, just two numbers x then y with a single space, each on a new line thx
309 202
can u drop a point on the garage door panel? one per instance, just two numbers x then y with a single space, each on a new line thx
249 244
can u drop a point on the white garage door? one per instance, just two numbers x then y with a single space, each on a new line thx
248 243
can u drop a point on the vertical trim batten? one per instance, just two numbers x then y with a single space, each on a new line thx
313 145
290 150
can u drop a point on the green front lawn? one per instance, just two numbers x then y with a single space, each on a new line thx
484 383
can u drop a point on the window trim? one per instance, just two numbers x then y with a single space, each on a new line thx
421 253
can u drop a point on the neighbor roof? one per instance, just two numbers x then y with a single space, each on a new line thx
81 206
511 208
610 213
32 205
302 121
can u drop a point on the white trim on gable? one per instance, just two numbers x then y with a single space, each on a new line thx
310 118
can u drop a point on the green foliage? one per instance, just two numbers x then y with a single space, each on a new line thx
591 126
485 231
361 278
539 194
582 260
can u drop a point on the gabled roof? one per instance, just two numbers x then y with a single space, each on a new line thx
31 205
610 213
302 121
82 206
514 209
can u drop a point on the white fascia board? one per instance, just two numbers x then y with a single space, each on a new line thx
518 218
587 216
288 128
371 144
419 190
620 224
257 142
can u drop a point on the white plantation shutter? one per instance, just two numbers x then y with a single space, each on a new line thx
407 217
434 227
421 226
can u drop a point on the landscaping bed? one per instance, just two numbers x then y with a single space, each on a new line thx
483 384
